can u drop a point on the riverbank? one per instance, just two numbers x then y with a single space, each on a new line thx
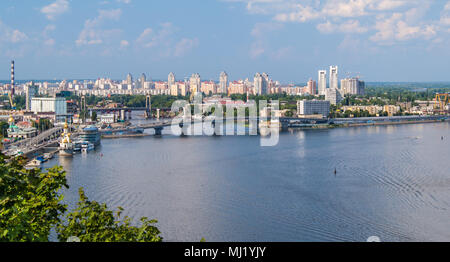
124 136
384 123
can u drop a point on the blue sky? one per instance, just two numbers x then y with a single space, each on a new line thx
380 40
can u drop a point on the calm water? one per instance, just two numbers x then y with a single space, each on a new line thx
392 182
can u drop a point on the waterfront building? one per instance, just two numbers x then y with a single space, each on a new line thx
17 132
334 77
56 105
373 110
171 79
90 134
391 110
223 85
352 86
333 95
31 90
322 81
313 107
108 118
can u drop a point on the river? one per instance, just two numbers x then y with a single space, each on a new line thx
392 182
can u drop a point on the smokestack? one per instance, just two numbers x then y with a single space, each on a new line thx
12 77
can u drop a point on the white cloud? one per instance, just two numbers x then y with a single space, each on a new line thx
49 42
347 16
93 33
165 42
10 35
385 5
447 6
124 1
351 26
55 9
148 38
394 28
184 46
124 43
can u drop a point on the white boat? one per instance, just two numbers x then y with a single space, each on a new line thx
48 156
86 147
33 164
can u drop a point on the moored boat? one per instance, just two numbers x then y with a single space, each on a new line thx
35 163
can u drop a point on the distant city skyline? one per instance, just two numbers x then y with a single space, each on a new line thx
381 40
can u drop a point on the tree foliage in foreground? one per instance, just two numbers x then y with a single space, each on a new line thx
93 222
31 206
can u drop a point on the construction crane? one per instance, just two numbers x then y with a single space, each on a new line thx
442 100
11 93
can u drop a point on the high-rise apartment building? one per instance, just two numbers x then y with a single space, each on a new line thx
333 95
31 90
260 83
334 77
195 83
129 80
223 83
311 87
352 86
142 80
171 79
322 81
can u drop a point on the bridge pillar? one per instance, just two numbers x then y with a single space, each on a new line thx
181 125
148 106
158 131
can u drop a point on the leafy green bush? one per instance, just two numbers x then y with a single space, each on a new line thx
31 206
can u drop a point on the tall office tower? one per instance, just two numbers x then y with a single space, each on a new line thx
312 87
334 77
31 90
129 79
171 79
142 80
322 82
223 86
195 83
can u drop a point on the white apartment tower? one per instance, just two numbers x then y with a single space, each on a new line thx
129 79
31 90
171 79
334 77
322 82
223 86
195 83
142 80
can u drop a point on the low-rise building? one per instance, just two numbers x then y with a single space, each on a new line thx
313 107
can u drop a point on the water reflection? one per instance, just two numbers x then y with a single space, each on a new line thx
229 188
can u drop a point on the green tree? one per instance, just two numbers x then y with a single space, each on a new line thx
93 222
31 206
94 116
